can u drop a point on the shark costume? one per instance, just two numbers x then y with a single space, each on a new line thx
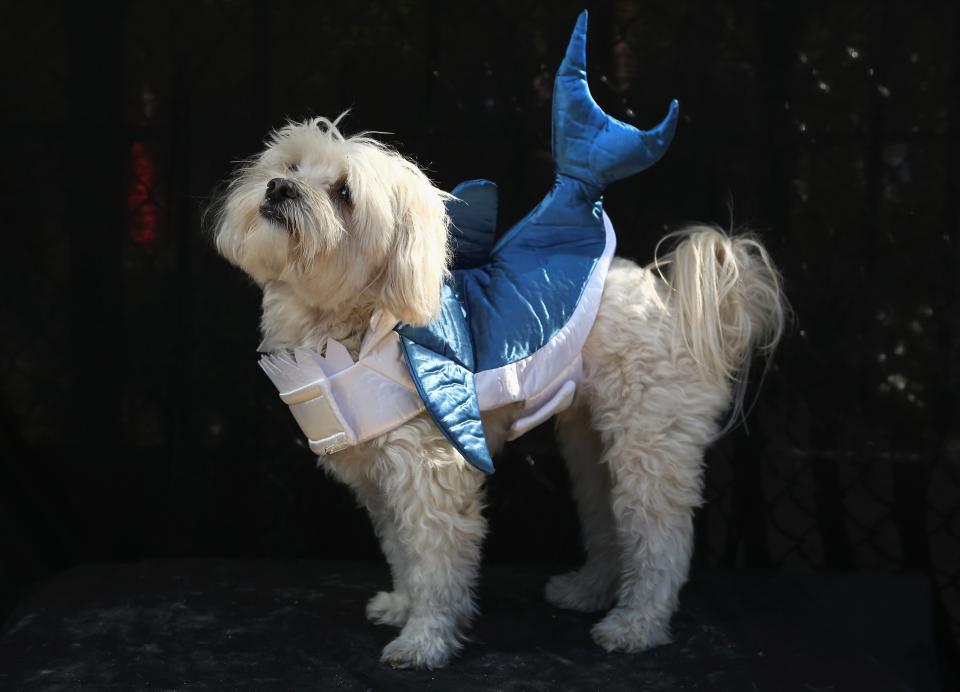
515 313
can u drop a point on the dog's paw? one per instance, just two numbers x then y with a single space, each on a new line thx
574 591
419 646
629 631
388 609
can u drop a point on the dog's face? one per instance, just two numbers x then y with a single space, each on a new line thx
339 219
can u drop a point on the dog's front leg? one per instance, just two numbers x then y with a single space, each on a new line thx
393 607
356 471
436 504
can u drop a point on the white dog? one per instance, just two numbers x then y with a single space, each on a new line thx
359 228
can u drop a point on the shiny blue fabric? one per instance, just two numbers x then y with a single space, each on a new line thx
450 394
473 216
506 300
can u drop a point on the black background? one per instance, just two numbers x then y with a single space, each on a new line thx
135 421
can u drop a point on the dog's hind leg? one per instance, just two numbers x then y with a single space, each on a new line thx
655 414
592 587
654 440
654 518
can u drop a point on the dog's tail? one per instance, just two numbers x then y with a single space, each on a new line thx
729 302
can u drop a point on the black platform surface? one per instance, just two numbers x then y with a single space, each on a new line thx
299 625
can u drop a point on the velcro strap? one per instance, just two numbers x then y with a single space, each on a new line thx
322 422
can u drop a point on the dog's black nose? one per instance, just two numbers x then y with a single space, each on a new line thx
280 189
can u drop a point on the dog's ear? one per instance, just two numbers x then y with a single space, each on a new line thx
418 262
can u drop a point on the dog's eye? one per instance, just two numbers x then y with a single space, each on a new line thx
344 192
293 167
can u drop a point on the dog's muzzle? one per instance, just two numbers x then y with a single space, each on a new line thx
280 194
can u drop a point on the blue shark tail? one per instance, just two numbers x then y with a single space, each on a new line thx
588 144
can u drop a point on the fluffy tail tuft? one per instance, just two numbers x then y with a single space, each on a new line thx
729 301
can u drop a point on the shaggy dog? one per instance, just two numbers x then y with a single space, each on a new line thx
333 228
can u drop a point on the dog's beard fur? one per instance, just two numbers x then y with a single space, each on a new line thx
367 226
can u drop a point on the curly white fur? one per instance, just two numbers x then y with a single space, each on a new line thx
661 367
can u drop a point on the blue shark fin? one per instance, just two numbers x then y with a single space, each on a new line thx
473 217
449 335
450 395
440 360
588 144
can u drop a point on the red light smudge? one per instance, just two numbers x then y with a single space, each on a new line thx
143 212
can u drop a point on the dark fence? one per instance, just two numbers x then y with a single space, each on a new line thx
135 422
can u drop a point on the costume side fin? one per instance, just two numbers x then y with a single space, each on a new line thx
440 360
450 396
448 336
